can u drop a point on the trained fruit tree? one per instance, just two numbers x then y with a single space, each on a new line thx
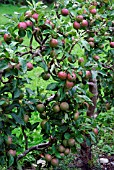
73 43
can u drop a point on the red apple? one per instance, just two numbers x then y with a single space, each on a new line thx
84 23
7 37
29 66
12 152
62 75
76 25
95 130
53 42
91 44
79 18
64 12
112 44
81 60
91 39
22 25
29 23
35 16
93 11
28 14
96 57
88 74
69 84
71 77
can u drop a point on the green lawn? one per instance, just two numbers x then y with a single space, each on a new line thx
8 9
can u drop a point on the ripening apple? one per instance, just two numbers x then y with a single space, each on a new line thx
96 57
29 66
64 12
88 74
91 39
55 162
93 11
7 37
69 84
35 16
76 25
29 23
84 23
12 152
9 140
112 44
76 115
62 75
26 118
48 157
91 44
53 42
71 77
28 14
22 25
95 130
81 60
79 18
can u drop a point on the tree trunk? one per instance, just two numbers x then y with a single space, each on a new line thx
85 149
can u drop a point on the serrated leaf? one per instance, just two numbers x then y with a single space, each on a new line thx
85 44
11 160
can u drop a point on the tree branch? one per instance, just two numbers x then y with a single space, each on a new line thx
36 147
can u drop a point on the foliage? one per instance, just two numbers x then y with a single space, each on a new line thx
80 64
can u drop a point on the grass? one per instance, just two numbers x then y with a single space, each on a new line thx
8 9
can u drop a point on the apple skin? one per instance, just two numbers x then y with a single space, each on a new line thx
71 77
112 44
7 37
28 14
22 25
81 60
26 118
53 42
91 44
96 57
95 130
29 23
93 11
84 23
79 18
62 75
69 84
48 157
64 12
29 66
35 16
76 115
9 140
88 74
76 25
91 39
12 152
55 162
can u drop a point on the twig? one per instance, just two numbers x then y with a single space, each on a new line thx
36 147
25 137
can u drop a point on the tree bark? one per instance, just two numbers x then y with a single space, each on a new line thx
85 149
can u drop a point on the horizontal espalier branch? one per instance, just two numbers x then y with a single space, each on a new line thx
38 147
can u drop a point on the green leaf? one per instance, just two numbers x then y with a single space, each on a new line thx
3 65
18 118
23 64
11 160
34 126
85 44
94 74
17 93
67 136
52 86
43 65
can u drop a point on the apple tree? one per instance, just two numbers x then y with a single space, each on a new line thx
73 43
